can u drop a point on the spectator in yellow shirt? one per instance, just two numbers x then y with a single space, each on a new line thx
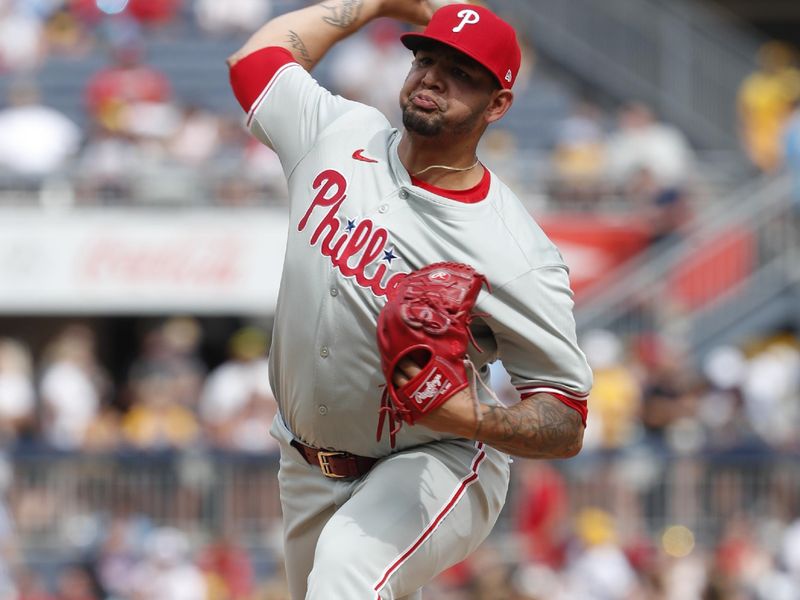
765 102
157 420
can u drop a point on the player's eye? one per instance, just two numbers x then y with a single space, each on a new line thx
460 73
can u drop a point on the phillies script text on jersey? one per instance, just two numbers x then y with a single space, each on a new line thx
349 251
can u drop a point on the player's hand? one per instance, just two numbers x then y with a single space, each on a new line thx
416 12
456 415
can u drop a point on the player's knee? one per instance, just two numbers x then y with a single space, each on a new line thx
340 571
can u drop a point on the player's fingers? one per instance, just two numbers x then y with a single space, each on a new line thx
409 367
405 370
399 379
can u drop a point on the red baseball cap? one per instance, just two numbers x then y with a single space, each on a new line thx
477 32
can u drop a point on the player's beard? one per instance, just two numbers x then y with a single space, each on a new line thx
431 124
422 123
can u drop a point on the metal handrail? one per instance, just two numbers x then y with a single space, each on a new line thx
761 209
604 298
686 60
772 280
75 493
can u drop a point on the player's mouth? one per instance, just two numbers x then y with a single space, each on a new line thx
425 102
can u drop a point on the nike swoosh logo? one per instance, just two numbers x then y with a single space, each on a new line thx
359 156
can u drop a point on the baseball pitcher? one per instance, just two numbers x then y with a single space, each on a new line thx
409 268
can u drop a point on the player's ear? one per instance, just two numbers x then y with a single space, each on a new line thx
499 104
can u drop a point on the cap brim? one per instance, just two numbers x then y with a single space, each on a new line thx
413 41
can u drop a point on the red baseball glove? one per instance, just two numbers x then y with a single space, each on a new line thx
426 319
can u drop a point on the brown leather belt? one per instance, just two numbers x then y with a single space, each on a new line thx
336 465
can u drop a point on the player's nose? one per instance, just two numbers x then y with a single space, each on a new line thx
433 78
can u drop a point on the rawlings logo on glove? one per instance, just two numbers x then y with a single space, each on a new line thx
430 389
426 319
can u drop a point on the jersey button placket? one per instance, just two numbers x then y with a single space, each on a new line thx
324 352
403 194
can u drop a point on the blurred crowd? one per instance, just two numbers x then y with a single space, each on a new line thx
166 402
135 559
645 162
142 138
34 30
135 137
649 394
167 399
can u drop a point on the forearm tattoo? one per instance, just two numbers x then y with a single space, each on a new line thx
537 427
299 48
342 14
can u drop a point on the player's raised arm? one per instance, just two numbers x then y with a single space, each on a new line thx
310 32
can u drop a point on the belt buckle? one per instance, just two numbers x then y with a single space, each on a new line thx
325 465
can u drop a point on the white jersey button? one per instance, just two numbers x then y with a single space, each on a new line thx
324 352
383 208
334 291
323 410
403 194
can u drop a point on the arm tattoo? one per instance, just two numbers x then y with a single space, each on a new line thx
537 427
342 14
299 48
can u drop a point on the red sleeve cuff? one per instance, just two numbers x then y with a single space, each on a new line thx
578 405
250 76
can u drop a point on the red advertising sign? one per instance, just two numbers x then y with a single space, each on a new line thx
714 267
594 245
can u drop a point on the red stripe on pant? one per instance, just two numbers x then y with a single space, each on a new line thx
437 520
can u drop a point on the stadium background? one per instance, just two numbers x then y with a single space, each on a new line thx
141 235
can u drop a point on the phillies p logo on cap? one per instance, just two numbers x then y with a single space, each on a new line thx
477 32
468 17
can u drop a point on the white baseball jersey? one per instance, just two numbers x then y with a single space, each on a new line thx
358 220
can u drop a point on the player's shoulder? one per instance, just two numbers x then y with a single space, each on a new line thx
360 128
526 240
293 93
360 119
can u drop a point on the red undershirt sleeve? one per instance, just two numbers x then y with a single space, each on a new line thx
578 405
250 76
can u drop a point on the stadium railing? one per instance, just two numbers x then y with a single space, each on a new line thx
681 57
712 284
63 502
